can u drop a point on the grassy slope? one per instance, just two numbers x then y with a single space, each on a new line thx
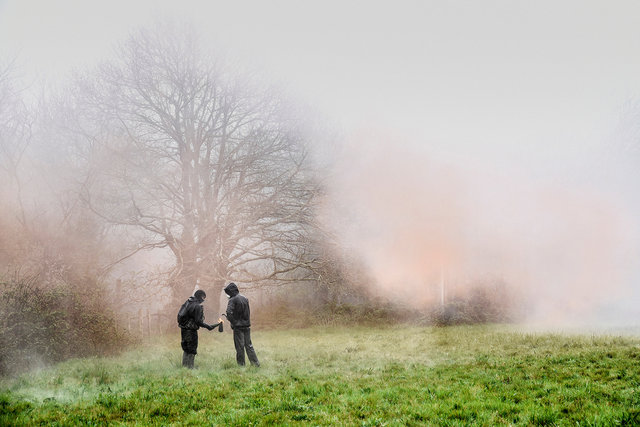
361 376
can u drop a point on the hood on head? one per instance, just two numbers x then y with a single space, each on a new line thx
200 295
231 289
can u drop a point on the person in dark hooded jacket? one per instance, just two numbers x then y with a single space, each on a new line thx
189 325
239 317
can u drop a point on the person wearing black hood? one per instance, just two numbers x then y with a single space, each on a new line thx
239 317
190 319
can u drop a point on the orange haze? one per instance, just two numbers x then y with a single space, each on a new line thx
417 221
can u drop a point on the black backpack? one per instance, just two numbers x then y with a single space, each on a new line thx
183 313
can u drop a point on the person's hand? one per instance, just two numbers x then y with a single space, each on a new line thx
219 319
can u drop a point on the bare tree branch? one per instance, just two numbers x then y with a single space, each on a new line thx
209 165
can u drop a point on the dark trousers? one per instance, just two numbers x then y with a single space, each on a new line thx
242 341
189 345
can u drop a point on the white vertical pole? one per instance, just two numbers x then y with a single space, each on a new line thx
140 324
148 323
441 286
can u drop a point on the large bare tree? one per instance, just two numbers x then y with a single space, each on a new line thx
206 164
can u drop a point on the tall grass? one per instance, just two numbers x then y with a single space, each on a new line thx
467 375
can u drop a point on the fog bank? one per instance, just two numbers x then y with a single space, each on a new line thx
567 242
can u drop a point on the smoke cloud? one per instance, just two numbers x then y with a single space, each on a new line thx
566 243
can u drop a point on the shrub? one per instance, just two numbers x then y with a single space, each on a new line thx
39 326
285 313
483 303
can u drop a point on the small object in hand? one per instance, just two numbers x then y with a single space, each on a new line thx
220 327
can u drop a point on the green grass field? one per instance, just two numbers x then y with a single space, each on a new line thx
396 375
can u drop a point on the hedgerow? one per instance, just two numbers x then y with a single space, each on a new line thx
40 325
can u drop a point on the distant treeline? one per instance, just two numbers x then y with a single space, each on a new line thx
484 302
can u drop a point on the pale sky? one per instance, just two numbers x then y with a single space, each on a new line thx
529 78
524 93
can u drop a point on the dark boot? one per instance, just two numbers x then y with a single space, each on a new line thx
188 360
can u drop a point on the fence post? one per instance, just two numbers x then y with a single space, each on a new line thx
148 323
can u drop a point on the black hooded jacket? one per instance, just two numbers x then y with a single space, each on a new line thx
238 312
195 315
